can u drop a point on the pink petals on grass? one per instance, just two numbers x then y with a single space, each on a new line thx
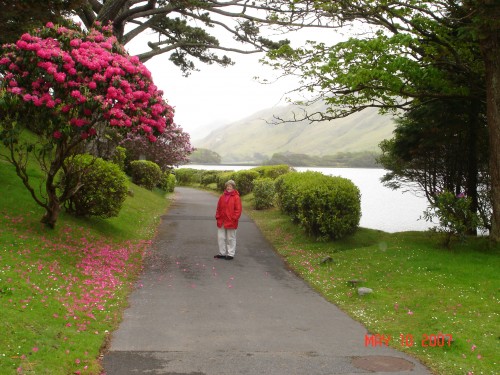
73 273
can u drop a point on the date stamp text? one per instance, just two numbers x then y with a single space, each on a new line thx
408 340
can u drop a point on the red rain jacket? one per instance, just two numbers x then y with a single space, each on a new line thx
228 211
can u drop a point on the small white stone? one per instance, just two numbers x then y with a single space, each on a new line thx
362 291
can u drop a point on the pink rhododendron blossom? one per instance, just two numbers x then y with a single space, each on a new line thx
57 134
80 78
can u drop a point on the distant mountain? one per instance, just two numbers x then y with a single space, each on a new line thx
255 138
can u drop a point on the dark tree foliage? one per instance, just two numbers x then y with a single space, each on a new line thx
409 53
432 151
20 16
188 30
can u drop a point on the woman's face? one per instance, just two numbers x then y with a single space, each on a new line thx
229 188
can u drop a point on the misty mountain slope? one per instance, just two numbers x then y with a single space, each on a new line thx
254 137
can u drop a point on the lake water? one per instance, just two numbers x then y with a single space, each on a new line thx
381 208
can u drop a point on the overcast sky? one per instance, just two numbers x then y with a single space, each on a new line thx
215 95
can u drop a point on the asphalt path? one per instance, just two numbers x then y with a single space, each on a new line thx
193 314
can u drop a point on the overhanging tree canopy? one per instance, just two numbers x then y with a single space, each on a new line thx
416 52
186 29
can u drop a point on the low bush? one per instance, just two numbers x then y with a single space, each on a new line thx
209 177
244 181
167 182
325 206
454 216
103 186
187 176
145 173
119 157
223 177
273 171
264 193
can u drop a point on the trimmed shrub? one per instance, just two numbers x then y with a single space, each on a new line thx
264 193
167 182
287 191
209 177
273 171
145 173
244 181
223 177
103 190
325 206
187 176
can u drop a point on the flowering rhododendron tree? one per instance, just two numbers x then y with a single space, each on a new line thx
67 86
170 149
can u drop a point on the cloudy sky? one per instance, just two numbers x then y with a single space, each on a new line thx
215 95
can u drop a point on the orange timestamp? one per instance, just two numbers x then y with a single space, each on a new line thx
408 340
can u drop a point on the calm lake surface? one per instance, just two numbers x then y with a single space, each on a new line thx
382 208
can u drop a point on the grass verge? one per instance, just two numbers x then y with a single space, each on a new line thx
63 291
421 291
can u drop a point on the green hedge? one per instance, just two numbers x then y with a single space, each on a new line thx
264 193
187 176
209 177
273 171
223 177
325 206
244 179
167 182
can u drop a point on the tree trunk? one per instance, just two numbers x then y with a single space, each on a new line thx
53 207
490 49
472 159
52 212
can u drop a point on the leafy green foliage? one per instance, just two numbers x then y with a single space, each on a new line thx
273 171
119 157
209 177
18 17
187 176
145 173
223 177
325 206
264 193
167 182
454 215
101 186
244 180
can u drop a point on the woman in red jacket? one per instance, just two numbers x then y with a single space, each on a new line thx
228 213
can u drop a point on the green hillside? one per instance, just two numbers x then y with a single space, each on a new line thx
255 137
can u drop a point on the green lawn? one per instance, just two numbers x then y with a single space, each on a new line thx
63 291
419 289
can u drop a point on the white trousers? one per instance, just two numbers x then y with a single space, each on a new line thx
227 241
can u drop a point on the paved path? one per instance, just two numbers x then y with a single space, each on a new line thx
193 314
